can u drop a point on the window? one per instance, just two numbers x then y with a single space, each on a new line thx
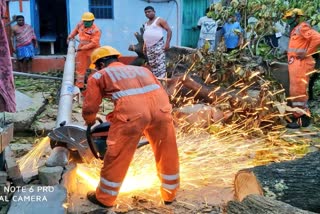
102 9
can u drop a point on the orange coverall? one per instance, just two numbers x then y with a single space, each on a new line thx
303 40
141 107
89 40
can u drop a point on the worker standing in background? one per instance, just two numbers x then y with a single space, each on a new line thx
24 43
89 36
154 46
141 106
303 42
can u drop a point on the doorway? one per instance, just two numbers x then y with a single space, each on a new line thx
50 25
192 11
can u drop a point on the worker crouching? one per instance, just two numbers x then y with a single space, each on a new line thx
303 43
141 107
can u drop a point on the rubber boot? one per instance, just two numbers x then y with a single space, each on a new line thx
303 121
293 124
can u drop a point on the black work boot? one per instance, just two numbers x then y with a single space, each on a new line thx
92 198
305 120
169 202
294 124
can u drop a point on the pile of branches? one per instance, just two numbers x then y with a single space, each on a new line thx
238 84
231 82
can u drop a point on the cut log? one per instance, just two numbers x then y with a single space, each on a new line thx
294 182
257 204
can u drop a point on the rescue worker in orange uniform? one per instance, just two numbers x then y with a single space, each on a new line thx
141 107
303 42
89 36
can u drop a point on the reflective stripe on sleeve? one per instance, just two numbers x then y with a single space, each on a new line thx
296 50
134 91
97 75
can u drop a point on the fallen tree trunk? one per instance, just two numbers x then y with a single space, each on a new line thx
187 86
257 204
294 182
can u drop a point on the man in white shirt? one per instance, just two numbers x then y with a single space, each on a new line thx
208 29
154 46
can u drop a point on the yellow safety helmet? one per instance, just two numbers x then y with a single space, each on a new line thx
87 16
103 51
293 12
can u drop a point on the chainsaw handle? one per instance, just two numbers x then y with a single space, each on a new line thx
91 144
99 119
92 148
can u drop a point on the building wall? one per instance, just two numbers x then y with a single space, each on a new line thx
128 18
15 10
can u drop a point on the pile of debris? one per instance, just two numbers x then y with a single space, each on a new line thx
230 87
213 87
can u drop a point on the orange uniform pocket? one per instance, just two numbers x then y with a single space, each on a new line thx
128 118
166 109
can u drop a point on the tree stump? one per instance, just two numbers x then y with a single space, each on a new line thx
257 204
138 48
294 182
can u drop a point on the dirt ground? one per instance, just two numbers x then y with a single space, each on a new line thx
210 196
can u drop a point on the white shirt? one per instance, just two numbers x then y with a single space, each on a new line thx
208 28
152 33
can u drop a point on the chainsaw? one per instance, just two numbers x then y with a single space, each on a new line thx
86 144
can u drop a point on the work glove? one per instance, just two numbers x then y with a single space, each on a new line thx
68 39
90 120
90 123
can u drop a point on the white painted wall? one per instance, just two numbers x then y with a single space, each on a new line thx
128 18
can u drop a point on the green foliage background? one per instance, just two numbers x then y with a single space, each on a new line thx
267 13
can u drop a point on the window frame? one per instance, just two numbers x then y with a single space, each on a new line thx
102 7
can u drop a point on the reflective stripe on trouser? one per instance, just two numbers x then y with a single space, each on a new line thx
82 64
169 186
149 114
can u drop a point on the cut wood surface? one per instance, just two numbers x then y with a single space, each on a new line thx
294 182
257 204
245 184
